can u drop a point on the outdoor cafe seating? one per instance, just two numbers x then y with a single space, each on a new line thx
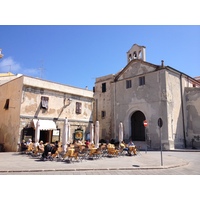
132 150
79 152
112 151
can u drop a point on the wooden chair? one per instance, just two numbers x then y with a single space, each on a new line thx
71 154
132 150
104 151
30 149
138 150
92 152
83 153
113 152
96 153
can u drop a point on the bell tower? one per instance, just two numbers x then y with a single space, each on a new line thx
136 52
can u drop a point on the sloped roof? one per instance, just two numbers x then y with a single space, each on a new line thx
6 74
157 67
134 61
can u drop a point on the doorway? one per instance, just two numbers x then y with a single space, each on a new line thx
137 126
44 136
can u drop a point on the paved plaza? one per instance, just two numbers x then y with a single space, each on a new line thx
145 162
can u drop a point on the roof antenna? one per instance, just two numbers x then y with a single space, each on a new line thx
41 69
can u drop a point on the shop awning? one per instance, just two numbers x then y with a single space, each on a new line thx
45 124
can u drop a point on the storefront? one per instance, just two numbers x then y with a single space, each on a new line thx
44 130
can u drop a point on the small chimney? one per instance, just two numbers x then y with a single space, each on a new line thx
162 63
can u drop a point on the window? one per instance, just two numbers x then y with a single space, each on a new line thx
140 55
6 106
142 80
103 114
129 58
55 135
128 84
78 107
103 87
44 102
135 55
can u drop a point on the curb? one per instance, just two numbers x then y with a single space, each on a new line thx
98 169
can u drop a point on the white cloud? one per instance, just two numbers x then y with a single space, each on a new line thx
9 65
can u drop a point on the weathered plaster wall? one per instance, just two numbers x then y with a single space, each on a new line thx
174 110
104 102
58 104
9 122
192 96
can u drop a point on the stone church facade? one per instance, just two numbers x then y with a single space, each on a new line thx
145 91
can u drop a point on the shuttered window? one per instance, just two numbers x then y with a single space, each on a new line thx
142 80
44 102
128 84
78 108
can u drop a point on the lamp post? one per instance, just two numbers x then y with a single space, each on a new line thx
160 124
145 123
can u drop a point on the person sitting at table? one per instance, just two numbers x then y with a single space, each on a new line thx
30 146
131 144
54 147
126 147
47 150
29 141
87 143
41 147
24 146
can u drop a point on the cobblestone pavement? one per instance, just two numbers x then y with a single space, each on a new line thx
147 163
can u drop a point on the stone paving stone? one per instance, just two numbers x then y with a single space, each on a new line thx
174 163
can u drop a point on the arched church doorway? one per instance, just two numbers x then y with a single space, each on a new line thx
137 126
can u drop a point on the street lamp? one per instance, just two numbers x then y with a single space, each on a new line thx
1 55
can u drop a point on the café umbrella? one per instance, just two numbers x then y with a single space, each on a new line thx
91 133
120 132
65 135
97 134
68 133
37 133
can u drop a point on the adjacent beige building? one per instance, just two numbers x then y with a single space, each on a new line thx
145 91
25 100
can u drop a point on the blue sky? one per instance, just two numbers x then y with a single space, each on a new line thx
76 54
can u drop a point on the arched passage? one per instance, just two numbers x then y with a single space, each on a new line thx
137 126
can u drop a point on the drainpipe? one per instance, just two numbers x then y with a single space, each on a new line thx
114 107
183 116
